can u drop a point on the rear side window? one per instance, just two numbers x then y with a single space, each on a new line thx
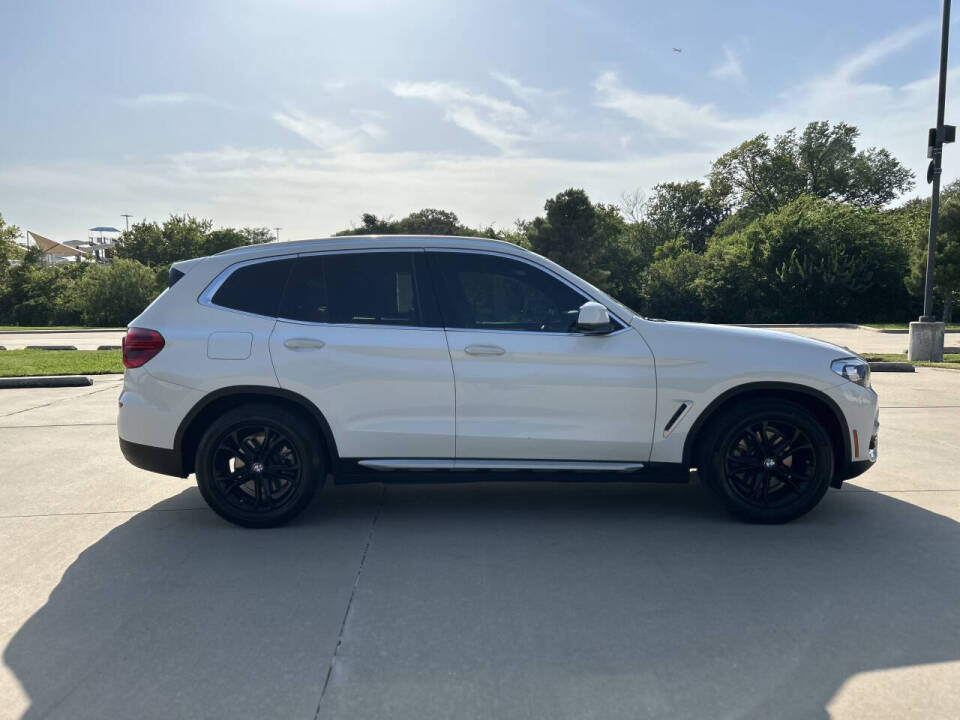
368 288
255 288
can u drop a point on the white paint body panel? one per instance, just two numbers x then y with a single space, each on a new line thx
151 409
553 396
229 345
697 363
385 391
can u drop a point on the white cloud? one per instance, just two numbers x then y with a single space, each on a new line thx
527 93
668 116
498 122
731 68
326 134
873 53
312 193
318 190
890 116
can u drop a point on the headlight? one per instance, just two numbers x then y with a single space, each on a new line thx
853 369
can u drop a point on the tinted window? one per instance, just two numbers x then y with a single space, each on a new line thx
255 288
354 288
494 293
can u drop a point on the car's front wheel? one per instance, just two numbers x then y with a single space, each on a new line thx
767 461
257 467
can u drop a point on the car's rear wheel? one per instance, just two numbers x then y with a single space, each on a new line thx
767 461
257 465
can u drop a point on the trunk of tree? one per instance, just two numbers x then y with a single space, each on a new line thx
948 306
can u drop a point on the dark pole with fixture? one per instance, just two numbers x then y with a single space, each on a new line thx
936 138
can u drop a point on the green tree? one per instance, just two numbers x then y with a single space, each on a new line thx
946 274
182 237
9 249
822 161
575 235
686 210
429 221
813 260
670 283
114 294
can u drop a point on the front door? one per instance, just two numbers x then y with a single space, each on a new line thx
528 385
359 336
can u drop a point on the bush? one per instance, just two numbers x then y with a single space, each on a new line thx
112 295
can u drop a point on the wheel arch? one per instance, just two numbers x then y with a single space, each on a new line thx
194 423
821 405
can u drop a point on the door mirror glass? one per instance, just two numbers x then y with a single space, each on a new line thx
593 319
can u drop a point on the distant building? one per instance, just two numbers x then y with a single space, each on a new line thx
99 241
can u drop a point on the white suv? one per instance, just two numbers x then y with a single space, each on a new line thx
264 368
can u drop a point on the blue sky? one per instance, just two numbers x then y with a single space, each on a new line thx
305 114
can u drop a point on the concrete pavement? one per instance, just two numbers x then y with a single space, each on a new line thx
88 340
125 597
862 340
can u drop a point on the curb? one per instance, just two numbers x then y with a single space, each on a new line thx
51 347
53 381
109 347
891 367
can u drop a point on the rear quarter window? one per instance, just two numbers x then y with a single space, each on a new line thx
255 288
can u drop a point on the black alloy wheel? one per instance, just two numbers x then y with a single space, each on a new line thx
768 461
257 467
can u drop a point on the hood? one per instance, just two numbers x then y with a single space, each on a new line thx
747 354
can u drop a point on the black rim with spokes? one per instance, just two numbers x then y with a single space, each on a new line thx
256 468
770 463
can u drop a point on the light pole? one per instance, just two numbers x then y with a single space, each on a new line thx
926 335
277 230
127 216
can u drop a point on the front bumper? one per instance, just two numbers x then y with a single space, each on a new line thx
860 408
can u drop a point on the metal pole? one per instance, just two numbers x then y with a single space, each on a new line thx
279 229
127 216
937 156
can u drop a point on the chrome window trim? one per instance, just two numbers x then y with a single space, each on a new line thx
206 297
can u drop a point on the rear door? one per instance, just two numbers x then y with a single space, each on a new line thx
528 384
359 335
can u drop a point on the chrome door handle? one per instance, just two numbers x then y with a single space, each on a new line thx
484 350
303 344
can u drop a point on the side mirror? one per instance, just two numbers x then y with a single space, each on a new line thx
593 319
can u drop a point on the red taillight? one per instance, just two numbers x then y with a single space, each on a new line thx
140 345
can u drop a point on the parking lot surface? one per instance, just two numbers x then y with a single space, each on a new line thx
124 596
86 340
864 340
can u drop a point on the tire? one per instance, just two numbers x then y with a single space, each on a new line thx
768 461
259 465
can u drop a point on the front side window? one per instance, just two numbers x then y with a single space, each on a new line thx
254 288
353 288
486 292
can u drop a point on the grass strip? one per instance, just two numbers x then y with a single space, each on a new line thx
18 363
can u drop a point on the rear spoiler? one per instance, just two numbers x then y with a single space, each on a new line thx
179 269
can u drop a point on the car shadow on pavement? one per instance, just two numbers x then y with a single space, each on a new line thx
496 601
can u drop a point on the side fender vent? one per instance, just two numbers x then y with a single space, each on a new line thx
684 406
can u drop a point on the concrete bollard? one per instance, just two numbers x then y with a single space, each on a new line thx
926 341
